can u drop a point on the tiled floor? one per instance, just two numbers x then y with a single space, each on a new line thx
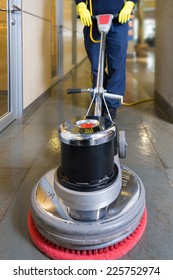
30 147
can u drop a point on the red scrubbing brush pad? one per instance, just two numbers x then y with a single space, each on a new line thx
112 252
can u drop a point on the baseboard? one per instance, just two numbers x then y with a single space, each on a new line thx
35 105
164 105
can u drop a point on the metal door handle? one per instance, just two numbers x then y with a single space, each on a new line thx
14 9
3 10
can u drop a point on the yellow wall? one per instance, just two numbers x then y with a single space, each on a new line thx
3 48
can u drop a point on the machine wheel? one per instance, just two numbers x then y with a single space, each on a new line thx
122 144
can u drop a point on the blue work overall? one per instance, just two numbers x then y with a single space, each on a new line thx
115 53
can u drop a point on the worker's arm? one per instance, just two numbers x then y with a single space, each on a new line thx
125 13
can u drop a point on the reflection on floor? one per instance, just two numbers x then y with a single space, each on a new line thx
30 147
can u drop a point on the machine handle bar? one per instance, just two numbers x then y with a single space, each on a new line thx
73 90
79 90
91 90
94 17
115 16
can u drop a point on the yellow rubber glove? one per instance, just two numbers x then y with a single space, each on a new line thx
84 14
125 13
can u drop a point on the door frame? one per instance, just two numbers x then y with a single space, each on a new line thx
14 50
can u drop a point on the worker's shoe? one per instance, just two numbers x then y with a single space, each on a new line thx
112 112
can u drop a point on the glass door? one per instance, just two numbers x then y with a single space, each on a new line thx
4 87
10 61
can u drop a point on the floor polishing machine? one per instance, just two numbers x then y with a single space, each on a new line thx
90 206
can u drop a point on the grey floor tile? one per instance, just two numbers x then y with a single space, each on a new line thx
10 181
13 228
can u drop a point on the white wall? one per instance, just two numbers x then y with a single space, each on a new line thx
67 36
81 52
41 8
38 52
36 49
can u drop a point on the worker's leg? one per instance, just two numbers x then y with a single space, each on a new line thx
117 40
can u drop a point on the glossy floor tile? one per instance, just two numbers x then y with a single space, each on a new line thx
30 147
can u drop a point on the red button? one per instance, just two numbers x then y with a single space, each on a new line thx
87 125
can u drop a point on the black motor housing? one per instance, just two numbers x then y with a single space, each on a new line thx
87 150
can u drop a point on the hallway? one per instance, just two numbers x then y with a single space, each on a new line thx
30 147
